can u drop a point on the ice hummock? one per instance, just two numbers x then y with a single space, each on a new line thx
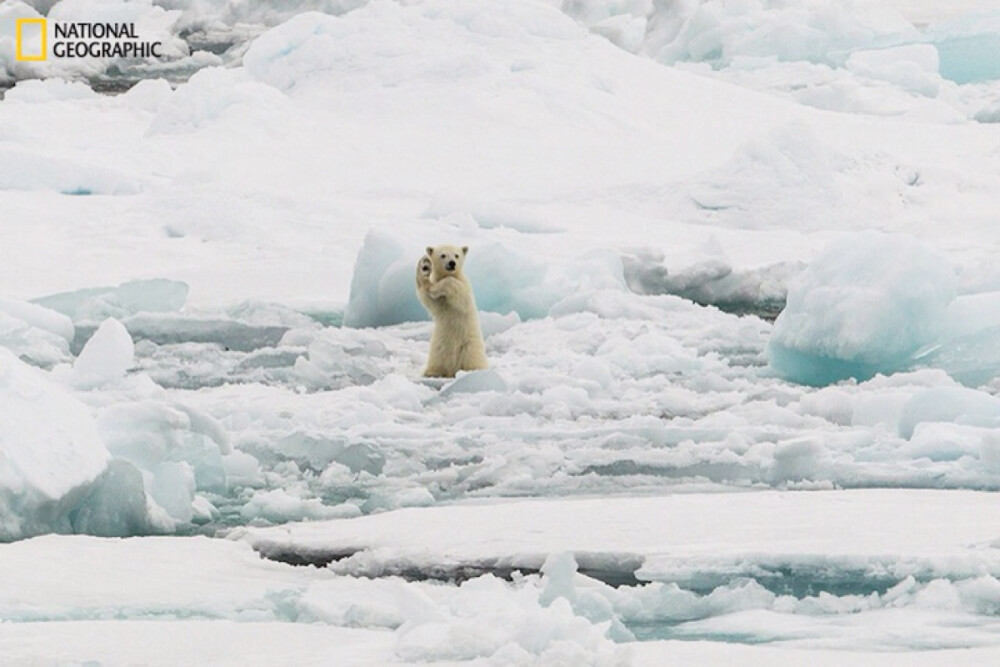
51 452
874 303
105 358
866 305
382 286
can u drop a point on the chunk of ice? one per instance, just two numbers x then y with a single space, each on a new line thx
50 451
866 305
105 358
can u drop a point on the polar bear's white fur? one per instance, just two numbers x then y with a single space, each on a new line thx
457 341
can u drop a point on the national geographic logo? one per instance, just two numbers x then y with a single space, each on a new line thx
31 37
81 40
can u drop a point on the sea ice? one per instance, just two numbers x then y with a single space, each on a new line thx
50 451
35 333
40 91
178 450
92 305
212 96
865 306
116 506
31 169
968 48
382 287
105 358
39 317
912 67
949 404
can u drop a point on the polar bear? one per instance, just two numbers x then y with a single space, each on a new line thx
457 341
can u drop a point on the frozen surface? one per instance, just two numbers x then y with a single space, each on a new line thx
723 567
250 213
695 538
216 583
937 582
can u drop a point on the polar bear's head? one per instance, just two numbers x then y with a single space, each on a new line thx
446 260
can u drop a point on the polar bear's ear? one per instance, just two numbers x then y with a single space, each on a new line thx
465 250
430 251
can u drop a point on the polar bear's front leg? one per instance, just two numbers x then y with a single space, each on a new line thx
424 283
424 273
443 288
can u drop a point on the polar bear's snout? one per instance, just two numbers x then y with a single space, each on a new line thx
451 265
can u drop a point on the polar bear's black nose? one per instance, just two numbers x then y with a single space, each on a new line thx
451 265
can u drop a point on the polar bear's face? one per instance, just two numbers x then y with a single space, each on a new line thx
447 260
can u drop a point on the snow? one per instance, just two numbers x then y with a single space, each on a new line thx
208 327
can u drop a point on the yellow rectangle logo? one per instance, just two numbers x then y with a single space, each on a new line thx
26 39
